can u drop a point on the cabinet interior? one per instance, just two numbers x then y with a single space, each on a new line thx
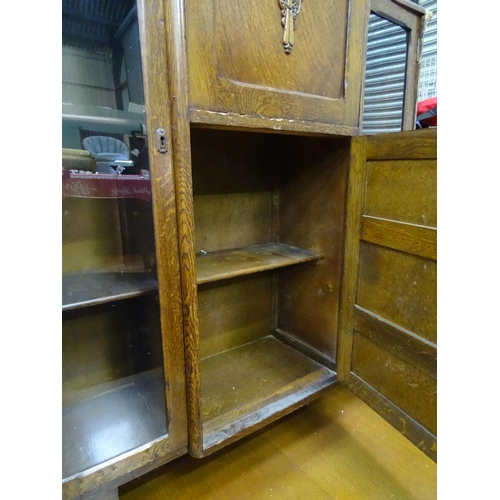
113 392
269 223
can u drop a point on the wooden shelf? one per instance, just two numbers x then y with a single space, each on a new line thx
88 289
109 424
254 384
251 259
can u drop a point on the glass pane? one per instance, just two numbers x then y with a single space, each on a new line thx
385 76
113 379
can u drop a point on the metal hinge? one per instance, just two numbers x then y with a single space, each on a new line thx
161 140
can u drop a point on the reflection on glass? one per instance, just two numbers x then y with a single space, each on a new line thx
113 382
385 76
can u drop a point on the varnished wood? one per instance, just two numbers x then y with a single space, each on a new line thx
88 289
124 468
234 312
400 287
152 28
100 494
417 351
91 236
410 145
397 380
232 189
261 188
410 238
409 427
336 447
387 350
215 120
313 175
305 348
415 181
232 402
259 79
354 208
96 346
177 83
136 406
227 264
90 357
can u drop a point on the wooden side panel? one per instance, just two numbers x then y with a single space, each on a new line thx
389 326
311 213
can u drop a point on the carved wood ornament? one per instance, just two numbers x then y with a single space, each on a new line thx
289 11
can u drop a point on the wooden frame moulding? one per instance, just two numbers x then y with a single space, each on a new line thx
177 71
106 477
412 18
354 203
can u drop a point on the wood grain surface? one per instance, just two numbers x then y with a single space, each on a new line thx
402 190
248 260
234 312
237 64
409 238
400 287
88 289
244 386
335 448
354 209
409 145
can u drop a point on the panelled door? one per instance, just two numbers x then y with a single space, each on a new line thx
388 340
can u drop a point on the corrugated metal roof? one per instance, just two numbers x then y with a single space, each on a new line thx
91 24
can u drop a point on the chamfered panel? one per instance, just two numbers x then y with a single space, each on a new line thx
400 288
241 74
402 190
249 46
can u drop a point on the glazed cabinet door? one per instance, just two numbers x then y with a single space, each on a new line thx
123 382
278 64
388 334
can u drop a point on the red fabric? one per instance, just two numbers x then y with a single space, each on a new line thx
423 107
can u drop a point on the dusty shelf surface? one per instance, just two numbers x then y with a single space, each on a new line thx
91 288
245 385
106 425
251 259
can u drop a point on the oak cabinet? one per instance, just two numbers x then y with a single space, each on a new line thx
235 276
261 216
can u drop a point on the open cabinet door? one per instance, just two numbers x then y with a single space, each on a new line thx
387 344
